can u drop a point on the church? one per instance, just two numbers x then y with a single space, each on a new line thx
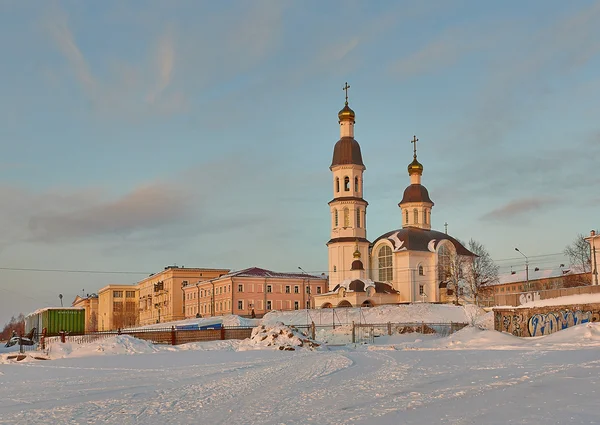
405 265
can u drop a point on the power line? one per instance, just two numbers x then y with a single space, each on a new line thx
24 269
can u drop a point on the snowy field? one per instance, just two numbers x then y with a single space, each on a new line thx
472 377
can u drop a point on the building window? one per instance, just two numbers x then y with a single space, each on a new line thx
336 217
295 305
308 289
334 269
357 217
346 217
307 305
240 288
421 272
421 290
268 305
356 184
318 289
296 289
269 288
117 294
416 214
385 264
337 184
347 184
425 216
406 214
130 294
444 259
240 305
287 289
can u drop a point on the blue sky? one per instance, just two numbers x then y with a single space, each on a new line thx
145 133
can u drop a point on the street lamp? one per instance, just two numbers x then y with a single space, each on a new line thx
526 268
303 271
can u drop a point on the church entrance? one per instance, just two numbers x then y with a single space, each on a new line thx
368 303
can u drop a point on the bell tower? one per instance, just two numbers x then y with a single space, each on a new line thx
416 205
347 208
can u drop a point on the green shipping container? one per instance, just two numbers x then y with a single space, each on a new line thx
70 320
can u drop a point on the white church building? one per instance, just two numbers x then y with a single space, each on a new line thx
410 264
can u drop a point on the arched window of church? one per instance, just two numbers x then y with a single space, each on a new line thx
337 184
336 217
347 184
357 217
416 214
356 184
384 259
346 217
421 271
406 214
425 216
444 262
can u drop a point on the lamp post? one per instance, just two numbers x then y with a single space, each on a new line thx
526 269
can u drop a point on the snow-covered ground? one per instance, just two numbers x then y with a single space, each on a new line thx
474 376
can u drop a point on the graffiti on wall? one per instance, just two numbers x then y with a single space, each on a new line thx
529 297
547 323
511 323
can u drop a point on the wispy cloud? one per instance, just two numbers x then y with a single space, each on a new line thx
520 208
129 89
145 207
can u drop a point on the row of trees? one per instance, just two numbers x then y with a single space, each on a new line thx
16 324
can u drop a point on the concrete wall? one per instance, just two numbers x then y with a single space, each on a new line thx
538 321
518 298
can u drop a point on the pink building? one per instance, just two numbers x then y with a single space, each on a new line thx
252 289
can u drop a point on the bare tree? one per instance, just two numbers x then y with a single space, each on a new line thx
93 322
455 274
579 254
481 273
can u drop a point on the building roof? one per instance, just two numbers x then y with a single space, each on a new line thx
361 285
416 193
415 239
521 275
259 272
347 151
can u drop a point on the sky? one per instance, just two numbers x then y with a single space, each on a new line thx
140 134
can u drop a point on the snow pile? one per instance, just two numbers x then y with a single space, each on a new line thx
567 300
406 313
120 344
279 336
485 321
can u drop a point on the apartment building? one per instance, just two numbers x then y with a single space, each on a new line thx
252 291
161 296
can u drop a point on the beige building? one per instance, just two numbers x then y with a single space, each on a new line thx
117 307
252 291
409 264
90 305
594 240
161 294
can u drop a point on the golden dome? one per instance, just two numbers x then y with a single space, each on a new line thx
415 167
346 114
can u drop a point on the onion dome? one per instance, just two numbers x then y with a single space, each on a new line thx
415 167
346 114
416 193
357 264
347 151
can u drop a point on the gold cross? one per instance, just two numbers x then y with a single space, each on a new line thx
414 140
345 88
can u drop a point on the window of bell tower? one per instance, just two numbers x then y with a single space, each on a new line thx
406 214
416 214
356 184
337 184
336 217
347 184
357 217
346 217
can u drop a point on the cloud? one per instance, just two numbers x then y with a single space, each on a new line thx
129 90
146 207
520 208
